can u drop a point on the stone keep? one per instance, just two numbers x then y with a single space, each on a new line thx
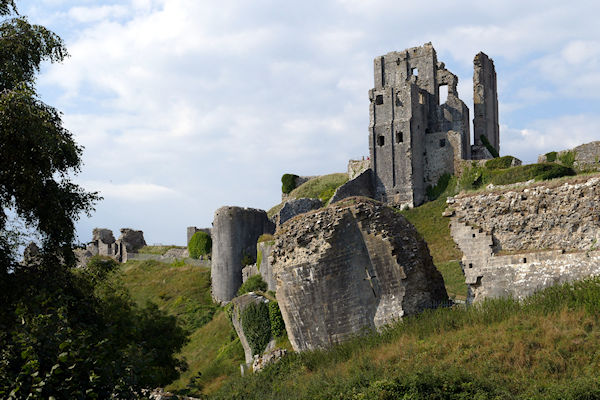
235 232
413 139
354 265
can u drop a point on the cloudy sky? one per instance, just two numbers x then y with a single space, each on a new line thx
187 105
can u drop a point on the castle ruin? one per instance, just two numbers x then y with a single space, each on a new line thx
413 139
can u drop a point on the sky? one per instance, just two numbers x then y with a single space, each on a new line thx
184 106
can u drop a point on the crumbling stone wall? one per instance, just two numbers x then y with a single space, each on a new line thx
356 264
361 185
234 235
587 156
264 268
294 207
239 305
413 137
357 167
523 239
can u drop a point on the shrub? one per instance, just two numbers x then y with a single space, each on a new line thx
257 326
539 172
441 186
277 324
288 183
499 163
567 158
489 146
253 284
200 244
551 156
247 259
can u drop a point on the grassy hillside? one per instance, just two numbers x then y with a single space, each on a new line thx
435 229
321 187
214 352
543 348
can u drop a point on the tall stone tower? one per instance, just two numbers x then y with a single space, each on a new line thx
485 103
413 139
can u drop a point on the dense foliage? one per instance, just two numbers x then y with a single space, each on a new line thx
257 326
551 156
477 176
493 151
288 183
277 324
200 244
253 284
434 192
64 333
500 162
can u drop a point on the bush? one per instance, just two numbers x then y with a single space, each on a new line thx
257 326
247 259
436 191
200 244
567 158
477 176
489 146
326 195
288 183
265 237
254 284
277 324
499 163
551 156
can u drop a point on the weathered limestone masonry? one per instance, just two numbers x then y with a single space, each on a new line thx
413 139
524 239
587 156
361 185
263 266
356 264
485 104
293 207
235 233
357 167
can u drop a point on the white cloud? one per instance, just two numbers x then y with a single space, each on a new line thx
131 192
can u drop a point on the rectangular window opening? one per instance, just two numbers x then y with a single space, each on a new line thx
379 99
443 91
380 140
442 142
414 71
399 137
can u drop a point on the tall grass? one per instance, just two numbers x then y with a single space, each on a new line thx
543 348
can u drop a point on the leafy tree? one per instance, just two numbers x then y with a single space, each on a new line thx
64 333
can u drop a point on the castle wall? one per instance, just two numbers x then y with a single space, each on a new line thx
234 234
521 240
587 156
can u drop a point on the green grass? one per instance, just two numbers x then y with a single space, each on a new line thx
159 250
320 187
435 229
543 348
214 352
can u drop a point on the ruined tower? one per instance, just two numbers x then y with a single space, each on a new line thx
413 139
485 103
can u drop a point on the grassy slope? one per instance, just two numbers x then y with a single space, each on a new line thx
435 230
214 353
313 188
544 348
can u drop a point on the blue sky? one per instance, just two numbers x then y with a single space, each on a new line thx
184 106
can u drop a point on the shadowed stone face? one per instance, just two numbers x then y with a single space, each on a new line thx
234 235
355 265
